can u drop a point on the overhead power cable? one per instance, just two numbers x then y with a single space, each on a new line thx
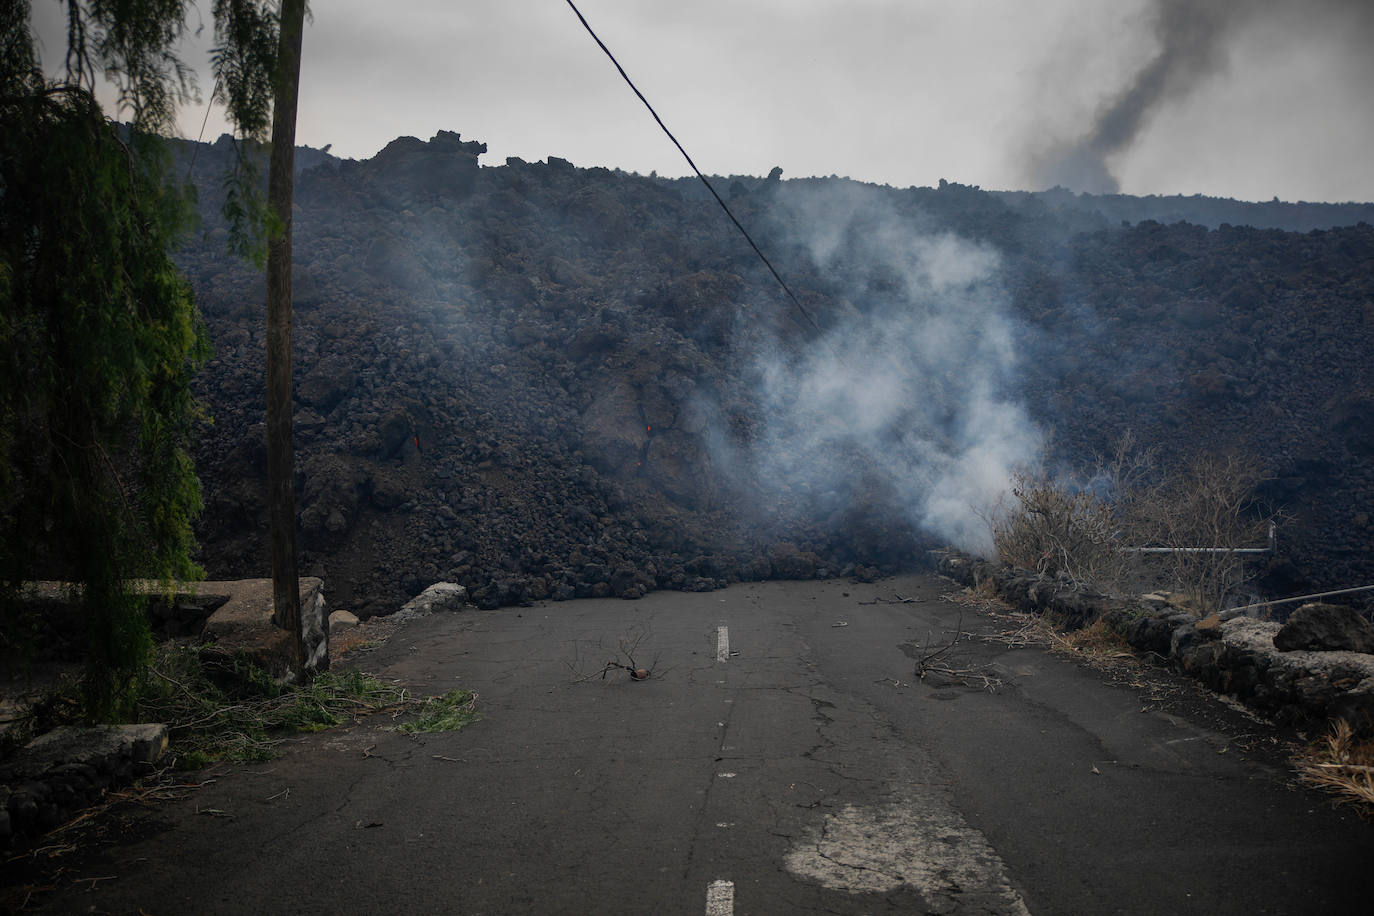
195 150
738 225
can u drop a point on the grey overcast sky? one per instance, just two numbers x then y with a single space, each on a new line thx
1250 99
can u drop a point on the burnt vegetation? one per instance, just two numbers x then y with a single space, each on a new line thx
541 381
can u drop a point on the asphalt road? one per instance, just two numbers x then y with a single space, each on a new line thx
782 758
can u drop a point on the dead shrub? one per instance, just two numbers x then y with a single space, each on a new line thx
1125 525
1055 530
1200 511
1071 527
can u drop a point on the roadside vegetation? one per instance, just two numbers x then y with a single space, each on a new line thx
1086 530
226 709
99 332
1342 764
230 710
1128 525
446 713
1098 644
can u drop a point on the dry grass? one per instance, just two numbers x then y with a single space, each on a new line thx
1343 765
1097 644
984 598
1097 641
370 634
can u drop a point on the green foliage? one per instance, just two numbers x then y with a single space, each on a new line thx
99 335
245 208
134 44
244 62
446 713
228 709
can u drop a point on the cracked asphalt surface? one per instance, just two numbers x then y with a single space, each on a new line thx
810 768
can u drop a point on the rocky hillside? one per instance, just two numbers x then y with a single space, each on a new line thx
1095 211
546 381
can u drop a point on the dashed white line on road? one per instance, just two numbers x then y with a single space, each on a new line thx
720 898
722 643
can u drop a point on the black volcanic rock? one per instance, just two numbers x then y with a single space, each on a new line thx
537 380
1325 628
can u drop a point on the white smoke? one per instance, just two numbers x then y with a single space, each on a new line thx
915 385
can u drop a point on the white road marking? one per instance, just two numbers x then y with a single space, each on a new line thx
720 898
722 643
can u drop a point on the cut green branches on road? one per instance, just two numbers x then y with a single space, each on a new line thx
221 708
228 709
446 713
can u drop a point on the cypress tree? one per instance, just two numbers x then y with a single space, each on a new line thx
99 335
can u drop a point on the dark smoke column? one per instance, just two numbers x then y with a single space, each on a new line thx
1192 46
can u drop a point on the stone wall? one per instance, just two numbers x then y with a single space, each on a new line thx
69 769
1232 654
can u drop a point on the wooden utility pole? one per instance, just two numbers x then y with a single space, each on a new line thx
281 496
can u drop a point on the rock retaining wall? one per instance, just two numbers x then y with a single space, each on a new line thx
1234 656
69 769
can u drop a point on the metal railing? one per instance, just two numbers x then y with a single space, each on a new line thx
1273 543
1236 611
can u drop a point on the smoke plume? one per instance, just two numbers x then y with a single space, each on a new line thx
1193 41
914 390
